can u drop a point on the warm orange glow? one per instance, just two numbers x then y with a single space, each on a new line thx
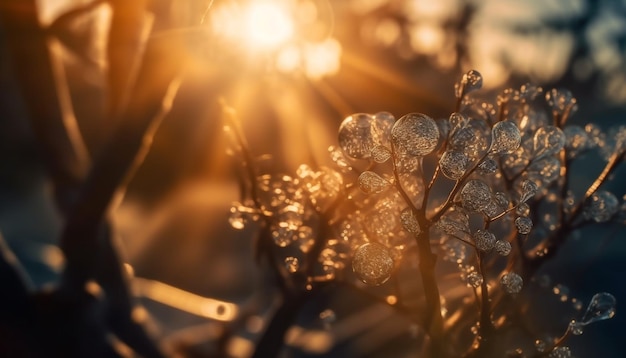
267 25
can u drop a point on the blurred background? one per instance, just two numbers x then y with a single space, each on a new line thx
292 70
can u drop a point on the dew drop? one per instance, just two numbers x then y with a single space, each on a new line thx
505 138
453 164
548 140
372 263
485 240
523 224
409 222
512 282
370 182
475 195
415 134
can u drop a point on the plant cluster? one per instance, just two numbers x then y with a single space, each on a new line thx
484 194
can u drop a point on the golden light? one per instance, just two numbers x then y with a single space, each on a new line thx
267 25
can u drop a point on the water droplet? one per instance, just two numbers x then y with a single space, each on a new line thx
370 182
548 140
505 138
560 352
601 206
474 279
475 195
415 134
380 154
512 282
372 263
291 264
529 189
601 307
503 247
409 221
487 166
357 135
485 240
562 291
523 224
453 164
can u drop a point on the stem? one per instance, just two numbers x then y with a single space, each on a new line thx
428 260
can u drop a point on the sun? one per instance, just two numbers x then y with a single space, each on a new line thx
268 25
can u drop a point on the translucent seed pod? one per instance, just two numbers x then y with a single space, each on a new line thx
484 240
457 121
383 122
561 101
372 263
292 264
529 92
601 206
545 170
512 282
415 134
601 307
487 166
529 189
357 135
370 182
522 209
523 224
548 140
453 164
475 195
577 140
471 81
474 279
380 154
505 138
503 247
560 352
409 221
